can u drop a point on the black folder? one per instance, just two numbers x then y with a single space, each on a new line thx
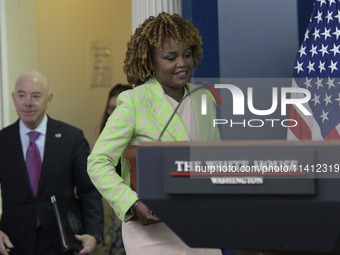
69 220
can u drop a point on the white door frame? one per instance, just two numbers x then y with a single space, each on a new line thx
4 98
143 9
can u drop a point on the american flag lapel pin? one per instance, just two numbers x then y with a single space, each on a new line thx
57 135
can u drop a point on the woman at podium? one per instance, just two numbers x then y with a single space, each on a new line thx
159 61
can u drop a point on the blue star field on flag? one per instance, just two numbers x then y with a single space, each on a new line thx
317 65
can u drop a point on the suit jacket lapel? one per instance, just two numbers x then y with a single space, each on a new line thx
204 123
52 146
196 106
19 161
162 110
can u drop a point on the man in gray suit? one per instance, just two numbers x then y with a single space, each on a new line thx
28 225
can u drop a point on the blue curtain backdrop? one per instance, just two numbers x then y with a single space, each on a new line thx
204 15
305 8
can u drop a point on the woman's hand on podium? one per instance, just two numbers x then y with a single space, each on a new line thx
145 215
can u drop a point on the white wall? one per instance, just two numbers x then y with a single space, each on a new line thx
19 49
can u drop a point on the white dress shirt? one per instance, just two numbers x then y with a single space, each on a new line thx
25 139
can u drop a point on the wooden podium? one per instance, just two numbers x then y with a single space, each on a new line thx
287 211
131 157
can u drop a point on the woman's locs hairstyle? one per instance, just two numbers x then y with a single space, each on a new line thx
154 33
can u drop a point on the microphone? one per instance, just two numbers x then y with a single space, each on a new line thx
176 109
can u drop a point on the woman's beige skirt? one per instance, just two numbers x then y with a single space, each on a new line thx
157 239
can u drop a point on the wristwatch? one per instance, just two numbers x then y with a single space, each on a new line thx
98 239
133 207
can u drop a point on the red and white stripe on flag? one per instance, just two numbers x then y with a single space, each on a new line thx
306 127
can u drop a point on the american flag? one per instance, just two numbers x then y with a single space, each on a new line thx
317 69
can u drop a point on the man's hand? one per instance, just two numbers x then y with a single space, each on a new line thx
5 244
89 244
145 215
